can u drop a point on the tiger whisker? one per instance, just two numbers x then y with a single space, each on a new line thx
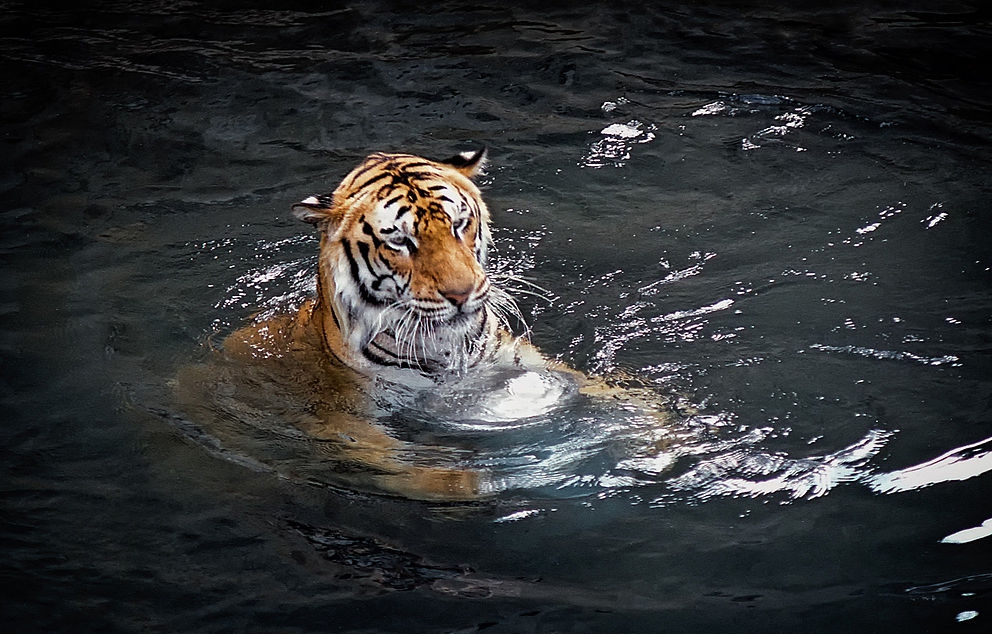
380 325
410 335
507 305
528 292
529 288
403 329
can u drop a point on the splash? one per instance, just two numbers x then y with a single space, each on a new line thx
787 120
613 149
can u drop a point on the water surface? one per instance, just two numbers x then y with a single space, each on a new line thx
777 218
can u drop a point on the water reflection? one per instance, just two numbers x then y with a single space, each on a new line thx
784 126
958 464
613 149
970 534
895 355
276 285
744 471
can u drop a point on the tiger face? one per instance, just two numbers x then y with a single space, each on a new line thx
404 242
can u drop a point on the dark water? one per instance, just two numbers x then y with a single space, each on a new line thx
780 215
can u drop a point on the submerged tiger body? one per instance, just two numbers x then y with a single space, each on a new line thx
403 298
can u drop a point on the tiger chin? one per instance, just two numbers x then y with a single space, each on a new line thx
403 298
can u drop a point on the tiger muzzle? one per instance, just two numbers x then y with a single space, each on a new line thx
457 298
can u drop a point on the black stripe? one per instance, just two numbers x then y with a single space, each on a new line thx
330 305
370 232
360 188
478 341
363 292
371 162
351 261
378 346
374 358
420 175
363 250
415 164
334 316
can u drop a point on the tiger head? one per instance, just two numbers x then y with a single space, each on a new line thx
404 242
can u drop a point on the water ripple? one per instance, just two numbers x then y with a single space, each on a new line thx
887 355
745 473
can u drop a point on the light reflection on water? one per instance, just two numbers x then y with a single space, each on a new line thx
613 150
268 289
957 464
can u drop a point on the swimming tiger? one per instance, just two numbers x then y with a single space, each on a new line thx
403 298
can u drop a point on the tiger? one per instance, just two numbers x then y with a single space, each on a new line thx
403 297
402 277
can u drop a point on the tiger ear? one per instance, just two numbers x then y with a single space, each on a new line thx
469 164
315 210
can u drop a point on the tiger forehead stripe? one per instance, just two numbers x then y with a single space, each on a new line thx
396 176
361 188
390 166
370 163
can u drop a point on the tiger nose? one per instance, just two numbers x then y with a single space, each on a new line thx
457 297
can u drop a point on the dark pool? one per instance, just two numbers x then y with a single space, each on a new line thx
779 217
